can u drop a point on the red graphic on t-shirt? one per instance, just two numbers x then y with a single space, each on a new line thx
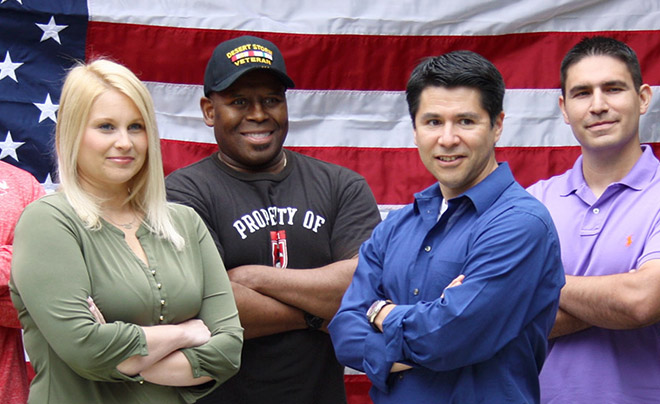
278 244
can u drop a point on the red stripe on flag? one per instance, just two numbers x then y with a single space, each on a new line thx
179 153
395 174
357 389
350 62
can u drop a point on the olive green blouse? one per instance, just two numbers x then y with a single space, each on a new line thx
58 263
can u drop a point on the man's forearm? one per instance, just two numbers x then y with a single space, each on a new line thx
317 291
620 301
566 324
261 315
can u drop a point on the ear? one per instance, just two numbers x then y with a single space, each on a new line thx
562 106
498 126
645 94
207 111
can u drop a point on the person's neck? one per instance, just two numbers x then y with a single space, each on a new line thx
125 216
274 167
604 167
110 198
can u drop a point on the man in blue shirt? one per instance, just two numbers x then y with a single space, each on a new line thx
484 338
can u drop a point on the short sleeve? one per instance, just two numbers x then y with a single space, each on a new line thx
357 216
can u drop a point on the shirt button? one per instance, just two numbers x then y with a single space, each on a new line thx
427 248
153 272
161 318
596 211
159 285
416 292
141 382
162 302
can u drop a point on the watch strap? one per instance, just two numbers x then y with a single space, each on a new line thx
313 322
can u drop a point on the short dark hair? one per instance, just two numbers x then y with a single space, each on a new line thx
601 46
458 69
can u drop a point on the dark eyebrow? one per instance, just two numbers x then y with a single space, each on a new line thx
578 89
583 87
468 115
615 83
463 115
430 115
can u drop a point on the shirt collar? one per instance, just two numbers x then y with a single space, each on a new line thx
485 193
639 176
482 195
643 171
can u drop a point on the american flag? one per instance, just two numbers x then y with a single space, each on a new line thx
350 61
38 41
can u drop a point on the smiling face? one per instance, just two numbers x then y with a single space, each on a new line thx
602 104
250 121
455 139
113 147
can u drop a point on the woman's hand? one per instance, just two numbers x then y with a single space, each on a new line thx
95 311
195 332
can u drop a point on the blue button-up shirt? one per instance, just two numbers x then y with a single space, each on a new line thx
485 340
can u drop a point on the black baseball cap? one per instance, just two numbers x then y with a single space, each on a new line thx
235 57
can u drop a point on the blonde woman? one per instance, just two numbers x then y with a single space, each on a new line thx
123 297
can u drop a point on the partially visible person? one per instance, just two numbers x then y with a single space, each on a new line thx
454 295
288 228
605 345
18 188
122 296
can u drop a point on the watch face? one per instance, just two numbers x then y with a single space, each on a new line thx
371 309
374 309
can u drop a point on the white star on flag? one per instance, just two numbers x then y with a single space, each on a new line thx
51 30
49 185
48 109
8 68
9 147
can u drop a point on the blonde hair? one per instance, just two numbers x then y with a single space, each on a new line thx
83 85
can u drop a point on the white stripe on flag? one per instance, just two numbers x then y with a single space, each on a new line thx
389 17
320 118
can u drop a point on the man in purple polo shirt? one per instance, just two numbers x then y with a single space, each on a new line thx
605 344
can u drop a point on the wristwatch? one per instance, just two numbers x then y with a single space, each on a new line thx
313 322
373 311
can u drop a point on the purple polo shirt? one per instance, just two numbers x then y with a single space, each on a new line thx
599 236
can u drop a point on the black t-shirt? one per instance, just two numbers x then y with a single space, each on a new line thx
309 215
